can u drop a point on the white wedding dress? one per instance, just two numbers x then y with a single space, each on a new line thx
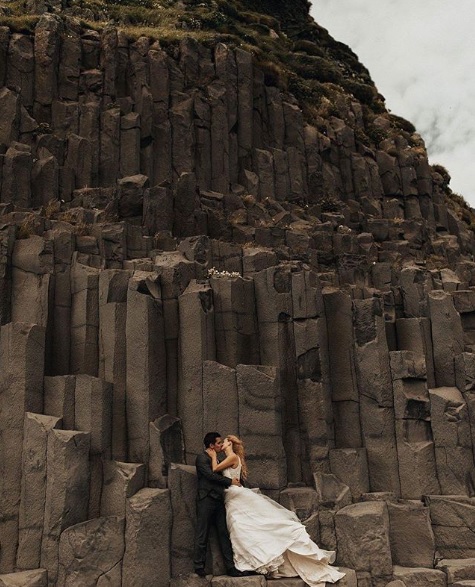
270 539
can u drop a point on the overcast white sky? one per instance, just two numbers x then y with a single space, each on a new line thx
421 56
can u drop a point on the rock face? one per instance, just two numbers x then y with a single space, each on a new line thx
183 248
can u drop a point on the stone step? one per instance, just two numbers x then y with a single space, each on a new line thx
34 578
458 569
467 583
192 580
453 517
419 576
349 580
254 581
291 582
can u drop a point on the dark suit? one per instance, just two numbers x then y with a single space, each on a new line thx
210 511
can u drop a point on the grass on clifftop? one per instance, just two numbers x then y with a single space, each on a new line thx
295 54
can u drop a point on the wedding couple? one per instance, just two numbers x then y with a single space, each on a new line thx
255 533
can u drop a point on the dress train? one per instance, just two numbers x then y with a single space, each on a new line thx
270 539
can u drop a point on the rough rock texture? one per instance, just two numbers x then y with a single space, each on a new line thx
411 535
33 488
452 520
194 239
147 538
457 569
36 578
67 491
245 582
362 531
419 576
93 551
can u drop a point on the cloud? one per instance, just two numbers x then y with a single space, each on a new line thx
421 55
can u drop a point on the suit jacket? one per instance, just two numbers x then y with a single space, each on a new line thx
209 484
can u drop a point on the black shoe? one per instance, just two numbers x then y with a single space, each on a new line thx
233 572
200 572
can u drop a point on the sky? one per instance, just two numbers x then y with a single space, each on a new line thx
421 56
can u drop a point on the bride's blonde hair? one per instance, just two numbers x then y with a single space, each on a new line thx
238 448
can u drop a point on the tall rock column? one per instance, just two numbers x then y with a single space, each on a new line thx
148 539
32 262
202 147
197 344
33 488
447 336
10 110
453 442
176 271
260 424
182 483
59 400
109 156
21 385
217 93
182 134
69 66
465 369
186 206
67 492
376 395
16 175
47 47
20 66
113 284
341 357
93 414
316 427
237 338
108 61
273 290
245 105
84 318
226 71
415 446
220 399
7 242
314 421
146 378
63 248
160 89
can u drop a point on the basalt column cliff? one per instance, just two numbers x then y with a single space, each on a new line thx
209 220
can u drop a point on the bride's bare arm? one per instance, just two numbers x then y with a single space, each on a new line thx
229 461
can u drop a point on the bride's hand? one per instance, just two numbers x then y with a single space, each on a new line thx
211 452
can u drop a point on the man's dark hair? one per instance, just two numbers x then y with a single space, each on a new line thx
210 438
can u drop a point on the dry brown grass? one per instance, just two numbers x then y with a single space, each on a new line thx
27 227
315 69
52 209
20 23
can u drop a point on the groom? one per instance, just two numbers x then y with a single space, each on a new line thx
210 509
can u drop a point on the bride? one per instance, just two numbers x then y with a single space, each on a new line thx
266 537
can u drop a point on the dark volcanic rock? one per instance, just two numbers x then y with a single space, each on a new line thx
196 237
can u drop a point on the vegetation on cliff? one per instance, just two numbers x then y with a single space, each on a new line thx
295 54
